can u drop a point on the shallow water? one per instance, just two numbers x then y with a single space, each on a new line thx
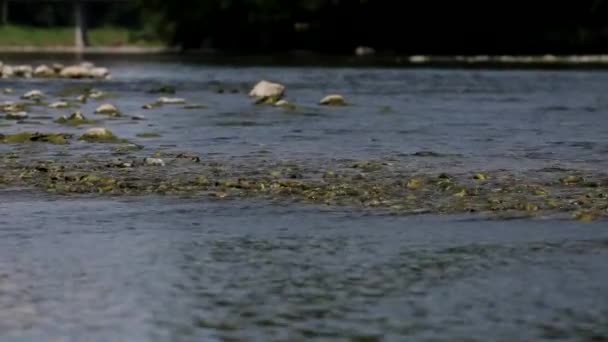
474 118
158 269
163 268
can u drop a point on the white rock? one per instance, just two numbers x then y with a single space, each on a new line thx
57 67
33 95
44 71
87 65
7 90
265 89
108 109
154 161
23 71
99 72
7 71
171 100
16 116
74 71
59 104
333 100
97 133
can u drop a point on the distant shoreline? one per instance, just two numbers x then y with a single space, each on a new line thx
548 60
89 50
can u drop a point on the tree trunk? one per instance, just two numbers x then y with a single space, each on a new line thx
81 35
4 11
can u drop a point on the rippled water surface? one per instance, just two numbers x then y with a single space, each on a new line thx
499 119
171 269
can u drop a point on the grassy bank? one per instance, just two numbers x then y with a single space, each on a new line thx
64 36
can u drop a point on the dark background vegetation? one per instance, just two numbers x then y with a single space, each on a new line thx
338 26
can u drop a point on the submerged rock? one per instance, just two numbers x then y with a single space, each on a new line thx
82 98
107 109
75 119
333 100
285 104
587 216
33 95
170 100
195 106
148 135
481 176
25 137
59 104
149 106
99 134
96 94
44 71
16 116
10 106
165 89
267 92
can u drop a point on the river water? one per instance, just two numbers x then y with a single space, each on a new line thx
168 269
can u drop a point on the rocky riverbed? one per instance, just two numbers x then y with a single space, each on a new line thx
387 184
381 185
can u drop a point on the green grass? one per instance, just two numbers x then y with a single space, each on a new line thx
11 35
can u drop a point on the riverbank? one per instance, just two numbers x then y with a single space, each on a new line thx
18 53
25 38
91 50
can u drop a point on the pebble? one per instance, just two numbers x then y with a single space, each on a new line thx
154 162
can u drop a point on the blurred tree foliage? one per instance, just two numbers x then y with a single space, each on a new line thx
413 26
338 26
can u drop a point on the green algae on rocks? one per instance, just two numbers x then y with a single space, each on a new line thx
385 187
75 119
28 137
